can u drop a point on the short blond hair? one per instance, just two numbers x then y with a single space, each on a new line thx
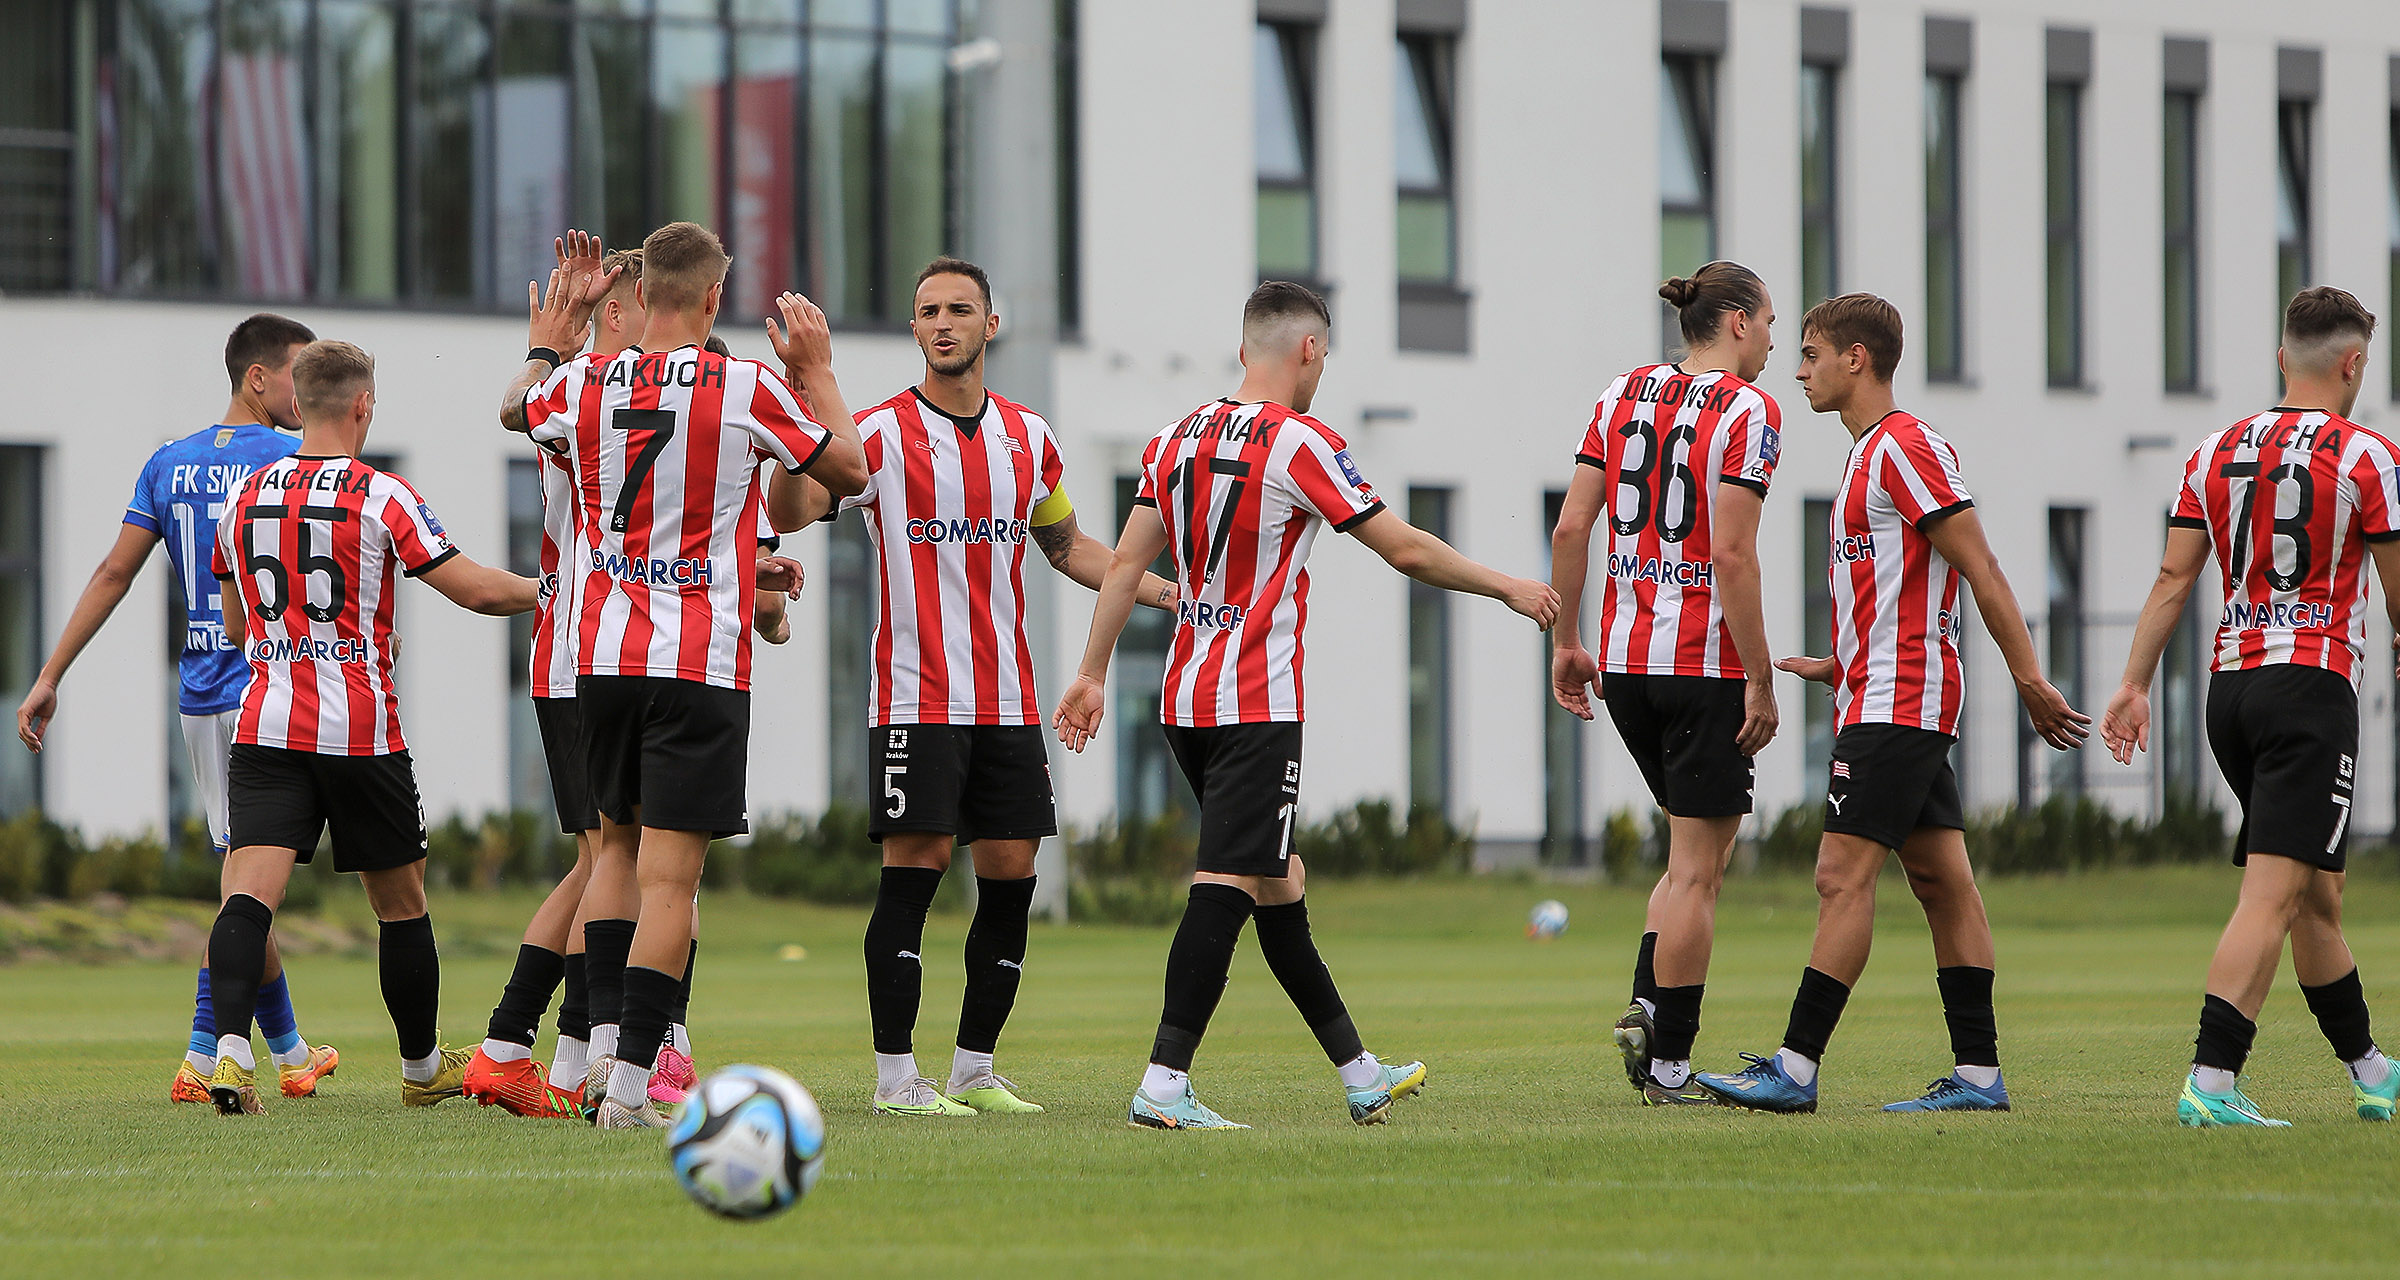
327 375
681 261
627 263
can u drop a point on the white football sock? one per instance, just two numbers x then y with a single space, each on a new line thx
1671 1074
507 1051
966 1065
1802 1071
572 1059
1980 1077
629 1084
1361 1071
604 1040
1164 1084
298 1057
204 1063
681 1037
894 1072
2371 1070
239 1047
420 1070
2212 1079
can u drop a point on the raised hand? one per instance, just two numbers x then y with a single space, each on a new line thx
805 340
550 322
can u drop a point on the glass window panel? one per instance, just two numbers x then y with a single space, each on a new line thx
1818 179
2181 242
262 150
612 165
358 150
1682 173
1425 238
917 217
162 217
1282 144
767 10
850 627
688 8
1944 304
1287 233
687 91
1562 749
1429 667
765 180
918 17
855 14
2064 262
451 110
528 765
20 610
1816 626
1149 785
39 214
2066 639
38 63
841 129
1417 154
2293 232
533 101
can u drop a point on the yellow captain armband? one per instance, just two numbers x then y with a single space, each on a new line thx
1051 510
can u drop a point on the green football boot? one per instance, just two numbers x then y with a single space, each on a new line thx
1373 1104
1185 1112
2377 1103
993 1094
2197 1108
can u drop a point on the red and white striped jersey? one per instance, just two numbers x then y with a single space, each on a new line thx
1665 439
664 450
949 505
2289 500
1896 624
315 545
1242 490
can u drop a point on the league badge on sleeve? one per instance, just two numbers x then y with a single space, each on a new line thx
425 513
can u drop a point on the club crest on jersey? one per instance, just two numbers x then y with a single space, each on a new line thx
224 436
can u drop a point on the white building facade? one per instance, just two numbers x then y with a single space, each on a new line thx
2090 215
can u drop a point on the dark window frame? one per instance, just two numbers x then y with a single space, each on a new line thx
26 564
2180 235
1432 700
37 268
2065 354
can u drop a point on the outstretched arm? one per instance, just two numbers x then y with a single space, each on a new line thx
1960 540
1079 712
1573 671
1436 563
1086 559
109 582
481 588
2126 727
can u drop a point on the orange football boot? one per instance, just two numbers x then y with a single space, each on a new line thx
521 1088
190 1085
301 1081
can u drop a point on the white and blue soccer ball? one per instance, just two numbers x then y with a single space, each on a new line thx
748 1142
1549 919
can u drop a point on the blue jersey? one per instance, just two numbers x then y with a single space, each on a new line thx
181 497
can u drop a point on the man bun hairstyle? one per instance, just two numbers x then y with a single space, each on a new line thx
1859 320
2316 315
1702 298
327 376
1278 300
949 266
265 338
681 262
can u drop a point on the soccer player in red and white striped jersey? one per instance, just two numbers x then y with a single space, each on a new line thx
1904 535
1236 493
2293 503
959 479
1679 457
664 440
317 543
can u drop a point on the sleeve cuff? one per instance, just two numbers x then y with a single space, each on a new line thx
1362 517
142 520
1942 513
1590 461
1758 487
2194 522
811 460
430 565
2388 535
1146 500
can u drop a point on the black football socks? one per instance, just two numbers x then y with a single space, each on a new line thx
1197 963
1816 1010
995 957
411 969
535 979
1678 1022
1291 954
1645 972
895 943
606 943
2225 1036
237 961
1967 1008
575 1007
649 997
681 1014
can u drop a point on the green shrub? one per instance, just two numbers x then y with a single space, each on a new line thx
1136 873
2063 833
826 859
1623 842
1789 843
1366 840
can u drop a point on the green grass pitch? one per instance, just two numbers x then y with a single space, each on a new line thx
1528 1155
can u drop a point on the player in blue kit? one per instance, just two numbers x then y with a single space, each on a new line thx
178 500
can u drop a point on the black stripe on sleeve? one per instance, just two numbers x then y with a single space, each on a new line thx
1361 518
1943 512
2195 522
1590 461
430 565
811 460
1146 501
1758 487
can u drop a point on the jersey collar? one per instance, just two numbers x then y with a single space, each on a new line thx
966 426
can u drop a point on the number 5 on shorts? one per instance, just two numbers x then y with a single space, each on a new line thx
892 792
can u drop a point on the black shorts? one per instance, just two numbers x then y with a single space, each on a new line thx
1888 780
1681 731
2286 738
1247 777
970 781
285 799
677 749
570 782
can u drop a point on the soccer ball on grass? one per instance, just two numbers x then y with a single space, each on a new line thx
748 1142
